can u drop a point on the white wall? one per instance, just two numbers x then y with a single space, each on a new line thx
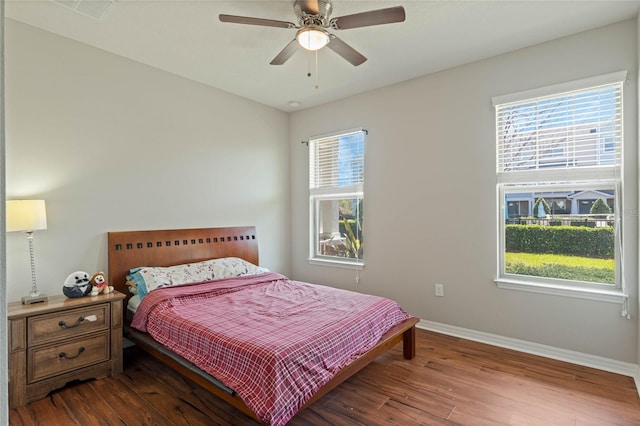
113 145
637 319
430 195
4 371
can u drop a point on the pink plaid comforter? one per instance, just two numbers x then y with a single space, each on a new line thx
272 340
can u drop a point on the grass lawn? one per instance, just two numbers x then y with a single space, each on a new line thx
559 266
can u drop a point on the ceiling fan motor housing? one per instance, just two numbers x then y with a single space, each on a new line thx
312 12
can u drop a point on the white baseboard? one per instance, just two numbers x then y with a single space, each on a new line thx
593 361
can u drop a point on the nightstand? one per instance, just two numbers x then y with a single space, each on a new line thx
64 339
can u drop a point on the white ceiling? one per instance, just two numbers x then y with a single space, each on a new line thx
185 38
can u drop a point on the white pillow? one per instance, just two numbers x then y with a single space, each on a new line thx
148 279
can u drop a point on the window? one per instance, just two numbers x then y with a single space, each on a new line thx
559 156
336 179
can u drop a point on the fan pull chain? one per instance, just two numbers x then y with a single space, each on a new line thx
317 86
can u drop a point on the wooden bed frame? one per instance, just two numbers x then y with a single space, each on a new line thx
131 249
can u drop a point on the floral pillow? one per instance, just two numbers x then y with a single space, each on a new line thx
145 279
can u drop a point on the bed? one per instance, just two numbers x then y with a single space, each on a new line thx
165 248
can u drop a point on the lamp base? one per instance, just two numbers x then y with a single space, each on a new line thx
28 300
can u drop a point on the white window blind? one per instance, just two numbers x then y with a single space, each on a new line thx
578 132
336 161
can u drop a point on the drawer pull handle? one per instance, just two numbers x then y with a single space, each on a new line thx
64 324
64 355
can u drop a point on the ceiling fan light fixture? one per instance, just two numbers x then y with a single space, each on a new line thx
312 38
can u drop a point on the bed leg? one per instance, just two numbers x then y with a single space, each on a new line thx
409 343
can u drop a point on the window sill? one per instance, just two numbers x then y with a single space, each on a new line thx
336 263
611 296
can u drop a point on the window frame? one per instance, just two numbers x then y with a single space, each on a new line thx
584 178
556 283
317 195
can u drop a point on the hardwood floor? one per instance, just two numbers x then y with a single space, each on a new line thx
451 381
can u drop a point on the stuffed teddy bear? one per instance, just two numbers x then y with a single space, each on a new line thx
99 282
133 288
77 285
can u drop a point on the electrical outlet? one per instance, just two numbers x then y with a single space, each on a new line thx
440 290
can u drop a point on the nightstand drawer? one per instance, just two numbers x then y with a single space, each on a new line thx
70 323
48 361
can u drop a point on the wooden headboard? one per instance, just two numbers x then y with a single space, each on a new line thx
130 249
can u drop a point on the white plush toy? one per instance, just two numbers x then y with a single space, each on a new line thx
77 285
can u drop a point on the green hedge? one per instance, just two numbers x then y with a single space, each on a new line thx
569 240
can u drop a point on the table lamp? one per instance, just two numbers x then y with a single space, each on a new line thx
28 216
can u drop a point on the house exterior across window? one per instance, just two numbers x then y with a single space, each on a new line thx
569 203
336 199
559 179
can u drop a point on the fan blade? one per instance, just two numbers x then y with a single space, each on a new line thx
366 19
286 53
255 21
346 51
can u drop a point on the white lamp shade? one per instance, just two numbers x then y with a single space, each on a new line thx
312 39
26 215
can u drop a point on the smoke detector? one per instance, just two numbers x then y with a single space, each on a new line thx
93 8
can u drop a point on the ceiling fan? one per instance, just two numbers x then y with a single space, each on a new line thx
314 21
